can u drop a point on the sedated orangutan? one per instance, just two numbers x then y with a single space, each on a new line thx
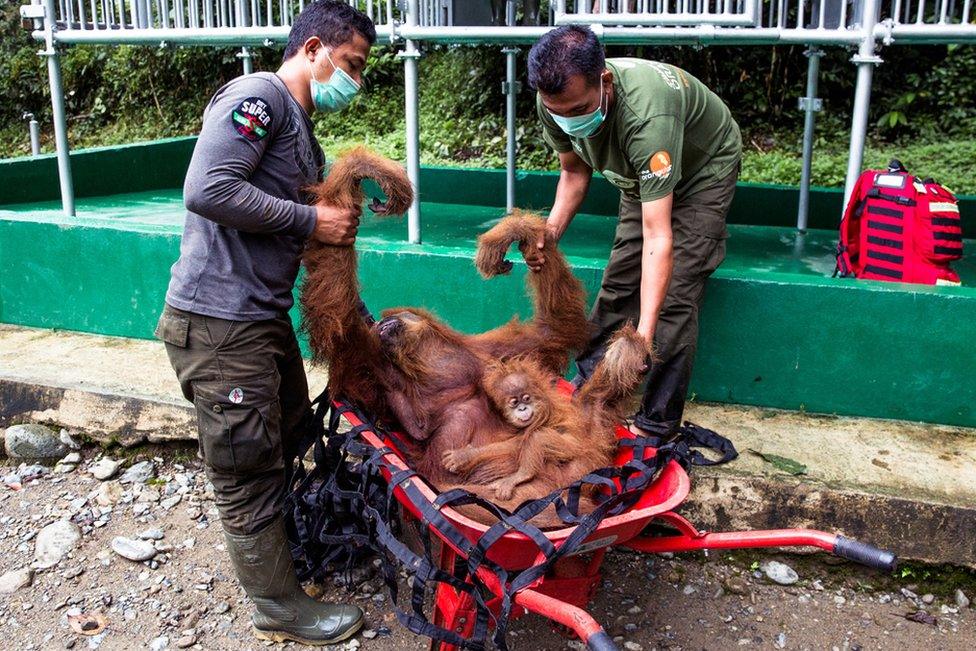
575 435
415 370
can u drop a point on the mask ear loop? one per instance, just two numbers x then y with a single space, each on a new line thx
336 68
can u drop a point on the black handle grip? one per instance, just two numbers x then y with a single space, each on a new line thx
865 554
601 642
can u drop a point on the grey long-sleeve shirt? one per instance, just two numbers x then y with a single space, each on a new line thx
247 217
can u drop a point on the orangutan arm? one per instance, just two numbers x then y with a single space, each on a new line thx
559 324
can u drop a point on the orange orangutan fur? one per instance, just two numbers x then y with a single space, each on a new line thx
414 370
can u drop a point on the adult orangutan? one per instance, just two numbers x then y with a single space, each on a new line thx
415 370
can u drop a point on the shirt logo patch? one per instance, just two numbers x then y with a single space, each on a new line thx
620 181
236 395
252 119
660 164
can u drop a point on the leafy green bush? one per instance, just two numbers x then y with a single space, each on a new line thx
125 94
950 163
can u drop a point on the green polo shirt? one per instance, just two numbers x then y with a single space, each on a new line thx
666 132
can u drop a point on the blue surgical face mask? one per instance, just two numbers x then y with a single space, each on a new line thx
335 94
582 126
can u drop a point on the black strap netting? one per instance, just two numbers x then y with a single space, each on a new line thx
343 512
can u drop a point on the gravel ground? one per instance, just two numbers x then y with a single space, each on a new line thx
185 595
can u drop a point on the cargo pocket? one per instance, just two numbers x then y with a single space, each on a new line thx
706 247
708 223
172 328
239 424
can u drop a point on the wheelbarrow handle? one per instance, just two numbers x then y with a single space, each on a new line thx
601 642
865 554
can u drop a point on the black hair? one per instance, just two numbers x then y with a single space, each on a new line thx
334 22
564 52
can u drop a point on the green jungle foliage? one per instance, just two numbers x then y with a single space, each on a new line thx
923 103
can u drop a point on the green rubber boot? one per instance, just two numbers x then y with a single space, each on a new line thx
283 611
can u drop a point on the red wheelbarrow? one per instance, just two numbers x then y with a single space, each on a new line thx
562 594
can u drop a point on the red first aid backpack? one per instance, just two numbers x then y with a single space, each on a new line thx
900 228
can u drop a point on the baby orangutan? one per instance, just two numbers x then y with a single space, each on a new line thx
558 438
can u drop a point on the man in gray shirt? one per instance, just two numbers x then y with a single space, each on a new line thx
226 324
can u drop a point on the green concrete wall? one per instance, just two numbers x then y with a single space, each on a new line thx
786 337
779 340
162 164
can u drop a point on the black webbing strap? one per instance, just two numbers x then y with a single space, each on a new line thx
343 510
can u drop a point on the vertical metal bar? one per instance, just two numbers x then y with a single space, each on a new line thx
35 134
57 104
511 91
246 62
813 73
410 56
866 60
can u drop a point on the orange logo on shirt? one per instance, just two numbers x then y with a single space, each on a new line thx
660 165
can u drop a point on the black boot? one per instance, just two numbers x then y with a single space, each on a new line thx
283 611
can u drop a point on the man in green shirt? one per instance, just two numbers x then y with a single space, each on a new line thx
671 147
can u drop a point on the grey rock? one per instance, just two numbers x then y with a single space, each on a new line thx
95 641
369 634
32 471
633 646
928 598
103 469
73 458
780 641
140 473
11 479
159 643
148 495
186 641
134 550
961 599
151 534
689 590
780 573
15 580
839 600
33 441
54 542
68 440
170 502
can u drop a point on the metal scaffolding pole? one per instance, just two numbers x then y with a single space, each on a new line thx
245 57
866 60
511 89
410 55
811 104
57 106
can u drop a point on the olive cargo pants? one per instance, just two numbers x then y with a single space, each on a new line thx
699 233
247 381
